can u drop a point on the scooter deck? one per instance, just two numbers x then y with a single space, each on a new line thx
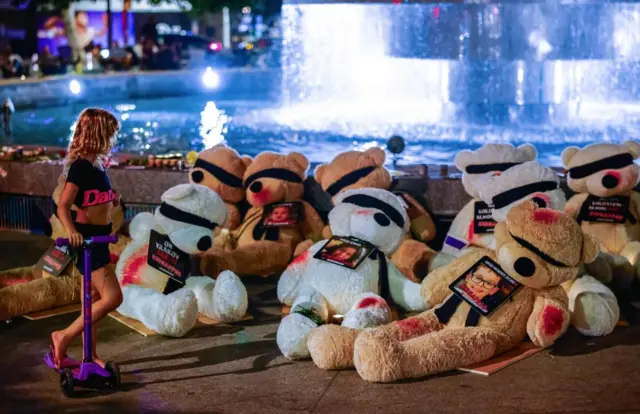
67 362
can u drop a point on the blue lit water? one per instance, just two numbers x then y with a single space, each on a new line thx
178 124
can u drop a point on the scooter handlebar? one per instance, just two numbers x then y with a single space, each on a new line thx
93 240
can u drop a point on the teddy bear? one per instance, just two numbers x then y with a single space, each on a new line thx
485 302
367 224
278 220
603 176
221 169
365 169
594 308
473 225
30 289
154 269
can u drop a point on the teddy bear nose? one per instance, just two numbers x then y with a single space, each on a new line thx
610 181
197 176
539 202
204 243
525 267
381 219
255 187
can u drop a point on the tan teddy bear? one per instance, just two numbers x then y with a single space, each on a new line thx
30 289
278 220
603 177
365 169
515 291
221 169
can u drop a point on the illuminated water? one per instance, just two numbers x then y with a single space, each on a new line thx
444 76
165 125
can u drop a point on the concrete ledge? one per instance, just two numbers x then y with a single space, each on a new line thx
444 195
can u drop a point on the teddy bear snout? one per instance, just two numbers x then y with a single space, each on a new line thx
524 266
197 176
204 243
611 180
255 187
381 219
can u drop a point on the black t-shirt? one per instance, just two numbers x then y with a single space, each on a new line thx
94 186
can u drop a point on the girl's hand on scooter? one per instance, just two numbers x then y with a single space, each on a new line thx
76 239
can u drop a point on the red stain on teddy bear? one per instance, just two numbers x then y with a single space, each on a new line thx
552 320
545 216
470 232
300 259
412 326
371 302
132 268
364 212
262 197
114 258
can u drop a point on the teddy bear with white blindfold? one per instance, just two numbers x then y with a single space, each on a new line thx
154 269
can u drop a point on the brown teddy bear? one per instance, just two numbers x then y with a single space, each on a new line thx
500 297
365 169
30 289
603 177
221 169
276 223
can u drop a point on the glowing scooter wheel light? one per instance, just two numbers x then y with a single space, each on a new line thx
210 79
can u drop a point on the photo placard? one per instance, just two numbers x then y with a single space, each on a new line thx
483 221
56 259
344 251
605 209
164 256
485 286
282 214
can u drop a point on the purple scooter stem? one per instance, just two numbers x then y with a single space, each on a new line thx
88 366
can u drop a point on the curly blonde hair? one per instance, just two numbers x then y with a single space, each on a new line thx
94 134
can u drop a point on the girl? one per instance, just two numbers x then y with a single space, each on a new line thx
88 191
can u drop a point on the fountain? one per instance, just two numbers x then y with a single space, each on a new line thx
549 72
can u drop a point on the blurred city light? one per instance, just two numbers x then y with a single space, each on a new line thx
75 87
210 78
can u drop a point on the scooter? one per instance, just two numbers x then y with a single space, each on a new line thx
86 374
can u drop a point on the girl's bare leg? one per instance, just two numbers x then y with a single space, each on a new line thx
104 281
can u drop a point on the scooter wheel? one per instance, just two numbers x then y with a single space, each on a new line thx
113 369
66 382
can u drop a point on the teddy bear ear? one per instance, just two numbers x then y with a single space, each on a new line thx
528 151
377 154
633 147
567 154
463 158
246 160
299 159
319 172
178 192
590 248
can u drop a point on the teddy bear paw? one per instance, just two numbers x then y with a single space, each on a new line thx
177 315
594 314
331 346
230 300
292 336
377 358
368 312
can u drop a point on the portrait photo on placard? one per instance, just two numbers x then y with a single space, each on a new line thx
485 286
344 251
282 214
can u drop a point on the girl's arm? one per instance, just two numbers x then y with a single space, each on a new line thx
67 196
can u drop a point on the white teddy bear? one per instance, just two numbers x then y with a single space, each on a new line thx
477 166
184 222
594 308
317 289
